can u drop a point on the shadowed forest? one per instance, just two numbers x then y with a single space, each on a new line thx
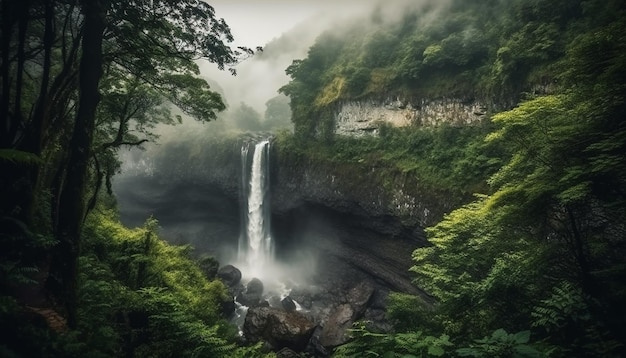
527 260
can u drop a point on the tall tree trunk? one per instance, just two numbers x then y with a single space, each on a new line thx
41 113
72 200
8 17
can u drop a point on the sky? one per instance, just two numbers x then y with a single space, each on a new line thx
255 23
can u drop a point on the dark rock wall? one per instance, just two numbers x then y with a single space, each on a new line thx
347 214
356 189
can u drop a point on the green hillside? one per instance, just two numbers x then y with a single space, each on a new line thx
493 50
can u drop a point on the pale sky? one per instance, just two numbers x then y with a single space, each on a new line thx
256 22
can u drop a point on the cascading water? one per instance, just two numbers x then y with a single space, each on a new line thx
256 249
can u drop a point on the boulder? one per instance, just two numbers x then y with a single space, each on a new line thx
335 328
255 286
342 316
249 300
230 275
315 348
359 296
280 328
253 294
288 304
228 306
287 353
305 296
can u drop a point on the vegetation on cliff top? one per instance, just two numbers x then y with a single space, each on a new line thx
541 254
490 50
532 267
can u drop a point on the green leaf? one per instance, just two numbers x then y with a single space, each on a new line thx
468 352
522 337
436 351
19 156
499 335
527 351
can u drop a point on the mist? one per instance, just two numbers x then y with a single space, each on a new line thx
286 30
190 179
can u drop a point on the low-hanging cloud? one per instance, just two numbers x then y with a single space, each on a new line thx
259 78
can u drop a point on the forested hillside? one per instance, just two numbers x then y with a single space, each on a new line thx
79 81
529 264
493 50
533 265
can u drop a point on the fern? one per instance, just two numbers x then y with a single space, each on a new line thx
566 316
19 157
405 345
14 272
503 345
566 303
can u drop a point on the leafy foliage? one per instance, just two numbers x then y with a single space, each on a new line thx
144 297
406 345
491 50
502 344
80 79
445 158
18 156
542 251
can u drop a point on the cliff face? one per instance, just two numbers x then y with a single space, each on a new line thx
369 219
358 118
370 192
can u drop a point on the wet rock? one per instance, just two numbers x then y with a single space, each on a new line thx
342 316
339 320
228 306
287 353
305 296
278 327
230 275
315 347
288 304
255 286
358 298
253 294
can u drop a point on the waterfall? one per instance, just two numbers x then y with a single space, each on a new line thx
255 242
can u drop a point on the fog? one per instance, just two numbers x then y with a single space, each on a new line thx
286 29
169 180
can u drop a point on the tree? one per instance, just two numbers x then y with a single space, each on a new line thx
54 55
554 221
246 118
64 265
277 113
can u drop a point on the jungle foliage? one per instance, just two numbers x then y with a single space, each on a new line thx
79 80
534 265
137 297
489 50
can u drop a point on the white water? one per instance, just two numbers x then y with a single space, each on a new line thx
256 251
256 257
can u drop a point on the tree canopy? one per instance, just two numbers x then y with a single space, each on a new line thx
541 252
81 79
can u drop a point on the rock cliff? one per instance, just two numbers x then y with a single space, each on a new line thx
364 117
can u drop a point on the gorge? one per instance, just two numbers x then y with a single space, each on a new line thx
403 178
338 250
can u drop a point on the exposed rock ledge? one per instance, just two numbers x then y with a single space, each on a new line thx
358 118
357 189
